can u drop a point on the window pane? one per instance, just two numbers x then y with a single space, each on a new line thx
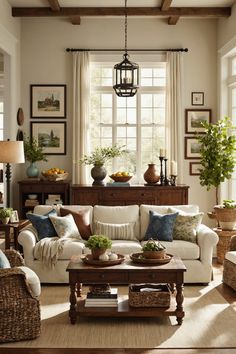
106 115
1 106
131 115
1 121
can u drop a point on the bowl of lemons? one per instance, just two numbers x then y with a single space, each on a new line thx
121 176
55 174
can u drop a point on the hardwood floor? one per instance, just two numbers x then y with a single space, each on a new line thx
225 291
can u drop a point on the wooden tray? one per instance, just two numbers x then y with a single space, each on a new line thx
138 258
89 260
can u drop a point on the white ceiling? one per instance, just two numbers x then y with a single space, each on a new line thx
120 3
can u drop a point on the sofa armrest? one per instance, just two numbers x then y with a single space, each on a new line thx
27 238
207 240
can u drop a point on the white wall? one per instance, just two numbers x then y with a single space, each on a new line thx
226 29
44 60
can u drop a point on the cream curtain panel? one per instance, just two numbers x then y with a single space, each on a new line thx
81 93
175 119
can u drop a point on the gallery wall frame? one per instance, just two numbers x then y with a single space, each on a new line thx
197 98
50 135
48 101
194 168
191 148
194 118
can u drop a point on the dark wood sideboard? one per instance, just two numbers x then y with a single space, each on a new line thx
136 194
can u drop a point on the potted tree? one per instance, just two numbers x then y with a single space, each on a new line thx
98 158
33 153
98 244
217 153
5 214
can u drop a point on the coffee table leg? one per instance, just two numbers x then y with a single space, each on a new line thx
73 301
179 301
79 289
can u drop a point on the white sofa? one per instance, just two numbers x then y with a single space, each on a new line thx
197 257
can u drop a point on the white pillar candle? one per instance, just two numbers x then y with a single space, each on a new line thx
173 168
162 152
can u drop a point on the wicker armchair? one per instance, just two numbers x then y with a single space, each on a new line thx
19 308
229 271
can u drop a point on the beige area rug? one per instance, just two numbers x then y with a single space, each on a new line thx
209 323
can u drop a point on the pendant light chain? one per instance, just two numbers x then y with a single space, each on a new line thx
126 26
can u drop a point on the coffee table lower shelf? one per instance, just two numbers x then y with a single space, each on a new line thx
124 310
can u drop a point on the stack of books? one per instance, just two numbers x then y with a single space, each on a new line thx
53 199
102 299
31 202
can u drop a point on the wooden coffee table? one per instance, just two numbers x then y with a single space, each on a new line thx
126 273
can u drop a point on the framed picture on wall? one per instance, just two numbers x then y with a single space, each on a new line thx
194 168
192 148
14 216
51 136
48 101
194 119
197 98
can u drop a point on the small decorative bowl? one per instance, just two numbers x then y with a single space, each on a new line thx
32 196
55 176
120 178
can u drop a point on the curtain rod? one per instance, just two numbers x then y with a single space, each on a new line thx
129 50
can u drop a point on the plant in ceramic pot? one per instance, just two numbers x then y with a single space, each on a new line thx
226 214
153 249
98 244
98 158
33 153
5 214
217 154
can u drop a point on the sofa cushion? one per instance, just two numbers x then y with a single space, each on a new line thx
161 209
32 280
115 231
117 215
81 218
65 226
231 256
183 249
160 226
186 225
43 224
4 262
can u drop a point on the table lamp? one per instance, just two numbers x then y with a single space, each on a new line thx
11 152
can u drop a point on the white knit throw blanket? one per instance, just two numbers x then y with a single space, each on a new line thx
49 249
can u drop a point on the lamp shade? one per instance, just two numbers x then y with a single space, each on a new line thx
12 152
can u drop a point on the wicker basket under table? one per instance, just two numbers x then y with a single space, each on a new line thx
139 297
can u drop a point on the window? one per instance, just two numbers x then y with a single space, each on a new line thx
137 122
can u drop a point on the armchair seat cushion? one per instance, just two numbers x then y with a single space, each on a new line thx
231 256
32 280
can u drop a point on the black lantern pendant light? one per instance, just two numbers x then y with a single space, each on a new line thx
126 72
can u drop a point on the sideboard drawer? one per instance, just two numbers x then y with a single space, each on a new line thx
133 195
105 277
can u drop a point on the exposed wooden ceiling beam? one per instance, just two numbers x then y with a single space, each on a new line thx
165 5
75 20
173 20
212 12
54 5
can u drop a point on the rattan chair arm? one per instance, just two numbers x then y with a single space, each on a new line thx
233 243
14 258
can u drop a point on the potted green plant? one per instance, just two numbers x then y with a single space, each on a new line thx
98 244
5 214
226 214
98 158
153 249
33 153
217 154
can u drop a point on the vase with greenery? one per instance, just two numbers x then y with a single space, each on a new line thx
33 153
98 244
217 154
5 214
226 214
98 158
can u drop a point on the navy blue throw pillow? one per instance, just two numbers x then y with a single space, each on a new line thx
43 224
160 226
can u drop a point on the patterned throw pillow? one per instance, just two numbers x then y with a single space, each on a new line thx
160 226
186 225
115 231
81 219
4 262
65 226
43 224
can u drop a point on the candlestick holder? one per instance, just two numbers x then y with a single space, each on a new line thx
162 178
173 180
166 180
